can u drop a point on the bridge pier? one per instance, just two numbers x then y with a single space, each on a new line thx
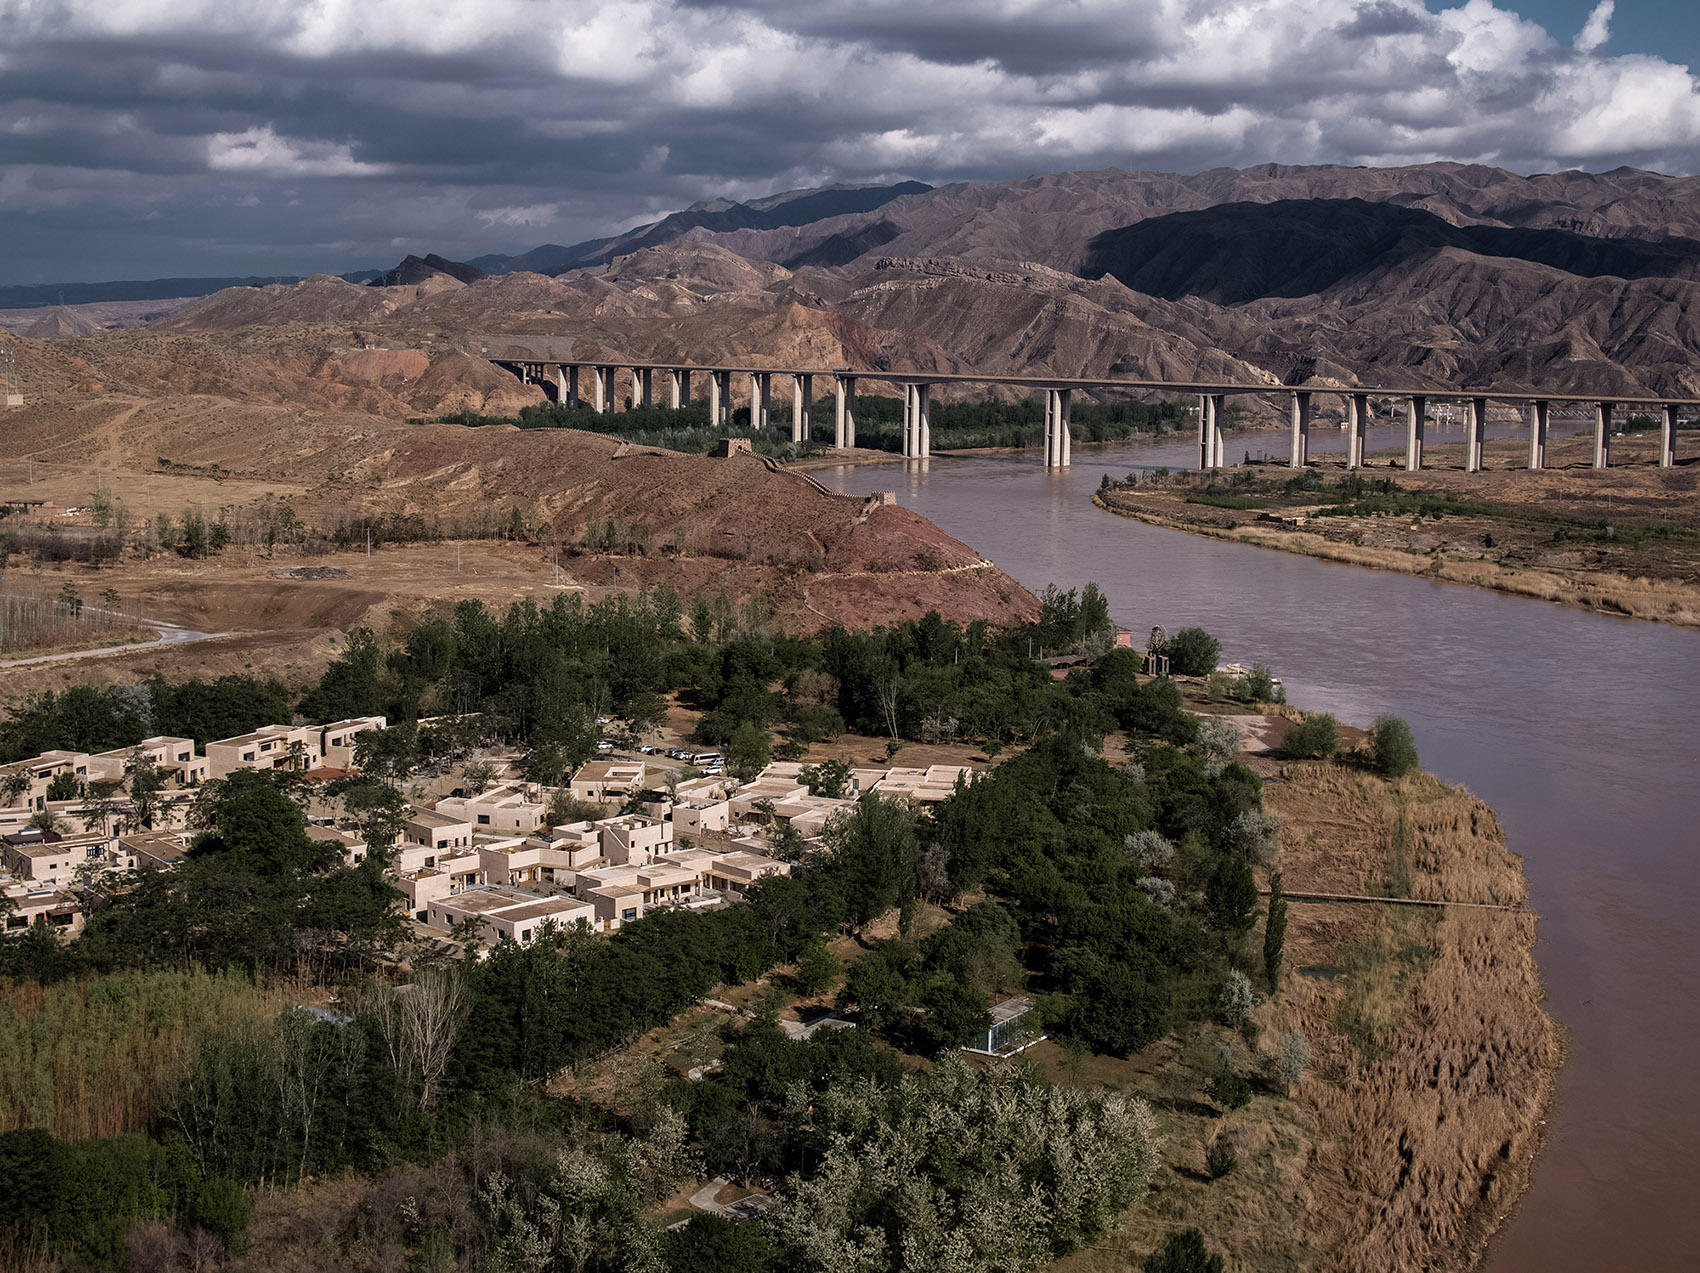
601 388
1357 427
643 383
802 407
1414 434
1667 436
1058 443
678 388
844 425
761 399
1475 442
1540 413
716 399
1602 435
1206 439
1301 431
917 421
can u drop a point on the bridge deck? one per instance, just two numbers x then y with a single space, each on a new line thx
1518 397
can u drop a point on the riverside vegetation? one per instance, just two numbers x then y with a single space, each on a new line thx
879 424
1109 869
1632 548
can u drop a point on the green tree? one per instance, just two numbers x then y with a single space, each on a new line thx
1392 747
818 969
747 751
1230 895
1316 736
194 539
146 783
1183 1252
878 987
714 1244
379 810
830 778
956 1013
64 787
1274 933
1193 652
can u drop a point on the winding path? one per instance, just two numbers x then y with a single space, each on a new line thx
169 634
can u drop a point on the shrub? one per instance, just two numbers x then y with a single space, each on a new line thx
1254 835
1183 1252
1392 747
1237 1001
1148 848
1220 1159
1317 736
1230 1089
1292 1055
1258 686
1193 652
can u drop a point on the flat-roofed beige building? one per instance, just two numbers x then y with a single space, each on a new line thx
40 771
433 831
509 809
160 850
336 740
351 846
291 747
608 779
505 912
62 912
633 838
735 872
925 786
174 755
40 858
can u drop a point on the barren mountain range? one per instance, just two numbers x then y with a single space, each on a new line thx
1442 275
1431 275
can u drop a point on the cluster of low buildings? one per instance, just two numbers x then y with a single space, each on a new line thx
482 866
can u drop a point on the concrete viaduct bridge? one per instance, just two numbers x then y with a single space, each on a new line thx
565 383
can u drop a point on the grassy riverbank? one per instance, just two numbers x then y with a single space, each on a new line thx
1625 541
1412 1134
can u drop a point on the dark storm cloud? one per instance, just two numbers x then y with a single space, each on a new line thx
234 136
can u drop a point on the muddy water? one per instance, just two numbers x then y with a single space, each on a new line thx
1582 730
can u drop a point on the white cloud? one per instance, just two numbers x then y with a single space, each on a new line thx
1597 29
580 115
262 152
535 214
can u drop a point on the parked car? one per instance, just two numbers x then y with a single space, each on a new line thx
647 750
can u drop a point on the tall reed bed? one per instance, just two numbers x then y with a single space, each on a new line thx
91 1057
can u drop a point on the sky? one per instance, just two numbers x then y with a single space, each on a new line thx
146 138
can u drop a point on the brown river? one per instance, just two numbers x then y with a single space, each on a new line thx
1581 730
